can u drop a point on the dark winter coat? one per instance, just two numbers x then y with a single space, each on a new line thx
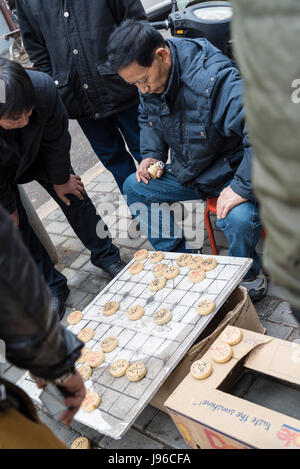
200 117
267 40
33 338
67 39
41 150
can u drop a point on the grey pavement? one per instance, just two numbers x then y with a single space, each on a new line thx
4 44
153 429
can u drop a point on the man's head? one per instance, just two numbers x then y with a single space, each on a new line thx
140 55
17 96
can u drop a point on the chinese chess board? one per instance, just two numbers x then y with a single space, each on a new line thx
160 348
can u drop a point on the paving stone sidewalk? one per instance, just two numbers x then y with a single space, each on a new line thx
153 429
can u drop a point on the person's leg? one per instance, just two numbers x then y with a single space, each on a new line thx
150 204
242 227
83 218
55 280
128 123
108 144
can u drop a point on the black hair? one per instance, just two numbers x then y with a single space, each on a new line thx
11 4
133 41
16 90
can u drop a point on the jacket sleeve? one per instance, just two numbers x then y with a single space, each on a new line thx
33 38
152 142
229 118
34 339
7 195
125 9
56 140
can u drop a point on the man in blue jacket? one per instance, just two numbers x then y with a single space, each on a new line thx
190 103
35 145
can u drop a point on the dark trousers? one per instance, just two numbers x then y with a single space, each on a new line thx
83 218
106 138
296 313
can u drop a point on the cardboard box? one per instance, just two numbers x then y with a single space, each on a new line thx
209 416
238 311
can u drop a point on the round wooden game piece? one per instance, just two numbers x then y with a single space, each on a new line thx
84 354
109 344
171 272
205 307
196 276
208 264
136 371
85 372
201 369
95 358
136 268
110 308
183 259
195 263
163 316
157 284
156 256
221 352
81 443
153 170
135 312
158 270
231 335
86 334
75 317
90 402
119 368
141 254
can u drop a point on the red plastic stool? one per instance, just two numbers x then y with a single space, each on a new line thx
211 207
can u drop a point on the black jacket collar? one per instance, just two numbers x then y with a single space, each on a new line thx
169 95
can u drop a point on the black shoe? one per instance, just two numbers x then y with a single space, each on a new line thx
115 268
58 303
296 314
257 287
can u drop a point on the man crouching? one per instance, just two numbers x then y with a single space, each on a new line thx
191 103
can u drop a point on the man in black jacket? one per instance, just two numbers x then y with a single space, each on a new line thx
67 39
35 341
35 145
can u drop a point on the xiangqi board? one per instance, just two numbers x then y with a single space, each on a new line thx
159 347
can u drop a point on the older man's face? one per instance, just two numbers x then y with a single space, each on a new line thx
151 79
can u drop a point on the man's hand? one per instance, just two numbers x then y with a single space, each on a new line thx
142 171
41 383
15 218
74 385
227 200
73 186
